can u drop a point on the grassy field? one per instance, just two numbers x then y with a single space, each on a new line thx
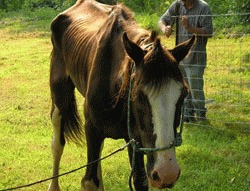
213 157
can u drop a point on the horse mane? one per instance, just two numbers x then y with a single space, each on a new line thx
138 35
157 59
126 13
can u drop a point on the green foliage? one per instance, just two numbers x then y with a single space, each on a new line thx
13 5
149 6
148 21
228 6
148 12
110 2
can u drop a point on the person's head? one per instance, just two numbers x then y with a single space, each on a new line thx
188 3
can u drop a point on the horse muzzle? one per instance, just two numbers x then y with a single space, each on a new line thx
163 181
165 172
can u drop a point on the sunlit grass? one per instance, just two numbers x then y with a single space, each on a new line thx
213 157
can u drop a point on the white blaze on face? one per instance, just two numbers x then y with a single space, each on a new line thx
163 105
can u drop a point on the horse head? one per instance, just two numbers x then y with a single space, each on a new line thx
157 94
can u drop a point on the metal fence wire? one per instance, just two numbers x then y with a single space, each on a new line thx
226 77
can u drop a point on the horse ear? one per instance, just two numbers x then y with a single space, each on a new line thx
133 50
157 45
182 50
153 36
158 49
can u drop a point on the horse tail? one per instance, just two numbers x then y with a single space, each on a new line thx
71 124
62 87
63 97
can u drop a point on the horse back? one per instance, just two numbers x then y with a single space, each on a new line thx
89 50
75 40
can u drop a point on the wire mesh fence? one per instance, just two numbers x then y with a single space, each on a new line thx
226 78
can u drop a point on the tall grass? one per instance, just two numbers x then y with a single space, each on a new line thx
213 157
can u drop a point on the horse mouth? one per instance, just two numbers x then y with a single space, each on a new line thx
167 186
160 186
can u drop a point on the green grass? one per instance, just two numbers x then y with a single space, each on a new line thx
213 157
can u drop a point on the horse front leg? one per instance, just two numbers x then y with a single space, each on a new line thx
92 181
139 174
57 146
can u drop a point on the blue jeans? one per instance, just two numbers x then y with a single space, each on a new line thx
195 101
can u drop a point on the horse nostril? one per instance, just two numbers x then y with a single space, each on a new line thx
170 186
155 176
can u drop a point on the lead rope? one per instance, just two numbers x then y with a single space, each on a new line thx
130 131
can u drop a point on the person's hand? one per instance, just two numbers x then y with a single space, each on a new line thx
184 22
168 31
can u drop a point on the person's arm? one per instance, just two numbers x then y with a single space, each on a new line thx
195 30
205 26
167 20
165 28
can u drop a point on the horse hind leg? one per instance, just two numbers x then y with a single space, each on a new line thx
92 181
65 120
57 146
57 86
64 115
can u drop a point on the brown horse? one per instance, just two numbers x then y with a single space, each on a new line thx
95 48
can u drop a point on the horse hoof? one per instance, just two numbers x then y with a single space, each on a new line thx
90 186
54 188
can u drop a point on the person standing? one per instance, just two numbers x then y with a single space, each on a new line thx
191 17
